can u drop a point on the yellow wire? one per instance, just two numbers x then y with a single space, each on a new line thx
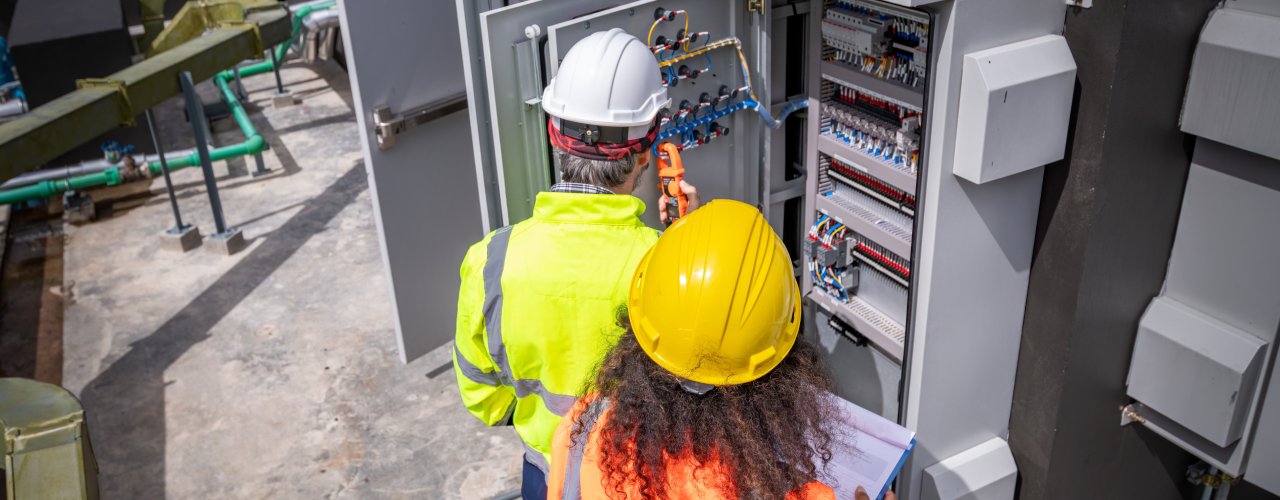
686 29
648 40
746 69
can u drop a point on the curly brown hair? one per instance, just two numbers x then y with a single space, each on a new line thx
651 416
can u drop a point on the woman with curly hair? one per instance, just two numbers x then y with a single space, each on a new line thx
709 393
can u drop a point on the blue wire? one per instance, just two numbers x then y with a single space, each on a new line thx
706 41
691 122
787 109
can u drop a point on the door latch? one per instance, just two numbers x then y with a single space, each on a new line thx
388 125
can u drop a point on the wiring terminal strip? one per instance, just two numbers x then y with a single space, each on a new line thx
883 223
881 128
834 169
868 320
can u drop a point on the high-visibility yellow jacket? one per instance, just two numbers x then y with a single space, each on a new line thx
537 310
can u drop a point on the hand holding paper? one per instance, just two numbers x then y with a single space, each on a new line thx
868 450
861 494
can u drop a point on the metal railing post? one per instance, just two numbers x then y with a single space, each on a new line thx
195 112
178 226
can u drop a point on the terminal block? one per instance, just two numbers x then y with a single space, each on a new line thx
879 127
835 255
869 184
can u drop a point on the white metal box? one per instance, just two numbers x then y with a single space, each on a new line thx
1195 369
984 472
1015 104
1231 93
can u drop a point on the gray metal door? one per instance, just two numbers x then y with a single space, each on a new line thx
406 67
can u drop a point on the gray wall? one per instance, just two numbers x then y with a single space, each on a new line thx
1107 220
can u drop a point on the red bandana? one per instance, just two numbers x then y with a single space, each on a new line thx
600 151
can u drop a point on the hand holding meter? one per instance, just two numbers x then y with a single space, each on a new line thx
670 175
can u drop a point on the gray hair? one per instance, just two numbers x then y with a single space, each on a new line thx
604 173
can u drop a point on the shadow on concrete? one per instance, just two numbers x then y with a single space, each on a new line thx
269 84
126 403
344 118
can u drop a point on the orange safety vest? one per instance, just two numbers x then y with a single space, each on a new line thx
575 473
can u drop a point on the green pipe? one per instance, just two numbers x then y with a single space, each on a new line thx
51 188
283 48
252 145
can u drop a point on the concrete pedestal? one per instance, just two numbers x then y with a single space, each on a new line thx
228 243
283 99
183 239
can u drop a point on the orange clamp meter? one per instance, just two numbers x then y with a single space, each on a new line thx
670 173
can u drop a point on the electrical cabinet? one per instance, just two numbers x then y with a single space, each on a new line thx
914 278
869 92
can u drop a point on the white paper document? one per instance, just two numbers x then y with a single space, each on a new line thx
868 450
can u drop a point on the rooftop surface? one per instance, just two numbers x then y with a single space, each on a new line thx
271 373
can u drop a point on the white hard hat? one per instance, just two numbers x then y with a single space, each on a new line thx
608 79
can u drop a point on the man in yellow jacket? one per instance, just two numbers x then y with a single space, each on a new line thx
538 302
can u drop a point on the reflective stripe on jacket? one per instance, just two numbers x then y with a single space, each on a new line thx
575 472
537 309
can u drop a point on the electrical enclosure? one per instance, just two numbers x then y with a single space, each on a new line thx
1195 369
1017 99
909 274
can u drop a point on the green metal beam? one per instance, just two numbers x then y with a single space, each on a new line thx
152 21
101 105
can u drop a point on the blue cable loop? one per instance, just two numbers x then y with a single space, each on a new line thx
787 109
686 126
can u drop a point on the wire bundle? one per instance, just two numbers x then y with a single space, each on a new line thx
686 124
827 230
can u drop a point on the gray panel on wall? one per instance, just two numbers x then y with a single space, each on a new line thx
1264 457
1222 267
1105 231
1231 96
1223 260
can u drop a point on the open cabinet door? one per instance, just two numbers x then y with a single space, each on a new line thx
407 74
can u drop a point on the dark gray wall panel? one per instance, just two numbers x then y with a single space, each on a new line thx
1106 227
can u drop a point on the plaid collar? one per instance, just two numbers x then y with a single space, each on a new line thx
579 187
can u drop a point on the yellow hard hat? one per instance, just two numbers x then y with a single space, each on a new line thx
715 300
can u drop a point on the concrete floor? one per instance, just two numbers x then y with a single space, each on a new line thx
272 373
